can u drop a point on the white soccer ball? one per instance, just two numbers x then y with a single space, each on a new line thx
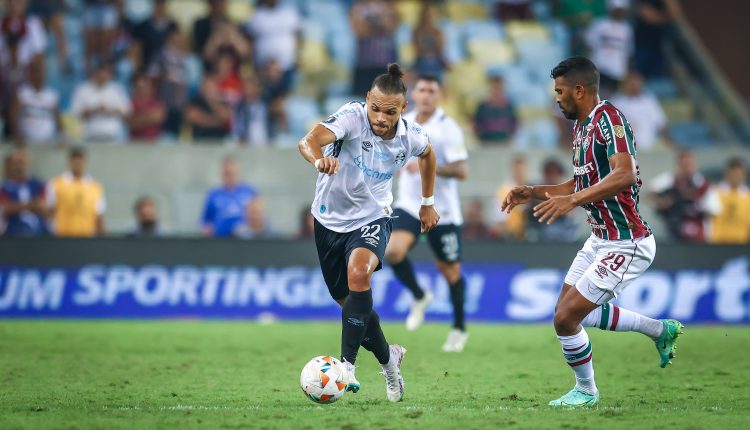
323 379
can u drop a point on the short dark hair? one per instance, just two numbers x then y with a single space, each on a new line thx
142 201
391 82
735 163
579 70
429 78
77 152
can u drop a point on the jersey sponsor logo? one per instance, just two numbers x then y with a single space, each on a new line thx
583 170
604 127
400 159
366 146
372 173
323 209
619 131
382 155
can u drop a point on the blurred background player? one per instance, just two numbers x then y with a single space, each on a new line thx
365 144
445 240
606 183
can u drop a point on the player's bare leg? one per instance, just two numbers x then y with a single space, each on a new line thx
396 253
572 308
458 336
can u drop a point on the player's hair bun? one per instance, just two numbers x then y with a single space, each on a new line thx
394 70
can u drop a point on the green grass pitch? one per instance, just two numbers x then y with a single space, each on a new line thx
190 374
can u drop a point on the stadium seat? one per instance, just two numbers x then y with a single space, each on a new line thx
239 10
531 95
539 57
678 110
302 113
662 88
454 43
491 53
541 134
313 31
138 10
465 10
185 12
314 57
528 114
484 30
409 11
526 30
693 134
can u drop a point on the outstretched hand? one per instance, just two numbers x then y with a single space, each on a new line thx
516 196
553 208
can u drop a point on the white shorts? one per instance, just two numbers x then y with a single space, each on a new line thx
603 268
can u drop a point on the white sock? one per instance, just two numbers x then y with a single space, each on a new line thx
614 318
577 352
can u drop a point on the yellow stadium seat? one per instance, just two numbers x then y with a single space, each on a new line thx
239 10
409 11
526 30
73 126
407 54
529 114
313 57
679 110
463 11
185 12
491 52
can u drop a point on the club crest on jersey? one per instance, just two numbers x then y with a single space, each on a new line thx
586 143
400 159
366 146
589 128
619 131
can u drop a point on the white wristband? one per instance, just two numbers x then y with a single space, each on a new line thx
317 163
428 201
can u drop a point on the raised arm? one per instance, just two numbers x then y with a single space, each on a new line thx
524 193
311 148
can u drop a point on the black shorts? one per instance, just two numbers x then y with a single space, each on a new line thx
444 240
334 250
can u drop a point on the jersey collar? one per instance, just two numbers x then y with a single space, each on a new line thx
593 112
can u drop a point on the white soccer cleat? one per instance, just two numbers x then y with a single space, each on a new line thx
456 341
418 309
394 382
351 381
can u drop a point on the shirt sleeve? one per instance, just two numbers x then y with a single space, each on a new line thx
455 149
345 120
419 141
616 133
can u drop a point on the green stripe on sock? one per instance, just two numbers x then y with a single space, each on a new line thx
605 317
585 352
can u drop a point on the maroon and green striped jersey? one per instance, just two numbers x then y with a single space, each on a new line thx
603 134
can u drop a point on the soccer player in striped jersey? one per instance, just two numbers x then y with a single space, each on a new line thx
606 183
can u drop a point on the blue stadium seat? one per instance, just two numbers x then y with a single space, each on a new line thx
301 112
474 29
454 45
691 134
138 10
541 134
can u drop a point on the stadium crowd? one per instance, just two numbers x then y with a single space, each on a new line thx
219 80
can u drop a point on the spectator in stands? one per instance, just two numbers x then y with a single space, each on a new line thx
208 114
577 15
146 218
644 112
495 118
685 200
475 226
514 10
654 22
512 226
151 35
228 79
76 201
731 225
275 32
225 38
100 20
204 27
170 71
250 119
149 112
610 40
224 208
103 105
275 90
428 41
22 198
52 14
255 225
36 113
306 224
22 38
565 227
124 48
374 23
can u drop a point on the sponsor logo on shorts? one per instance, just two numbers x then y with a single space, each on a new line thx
355 321
371 241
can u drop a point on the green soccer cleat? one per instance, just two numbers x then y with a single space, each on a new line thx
666 342
576 399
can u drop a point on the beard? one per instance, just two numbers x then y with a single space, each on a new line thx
568 114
